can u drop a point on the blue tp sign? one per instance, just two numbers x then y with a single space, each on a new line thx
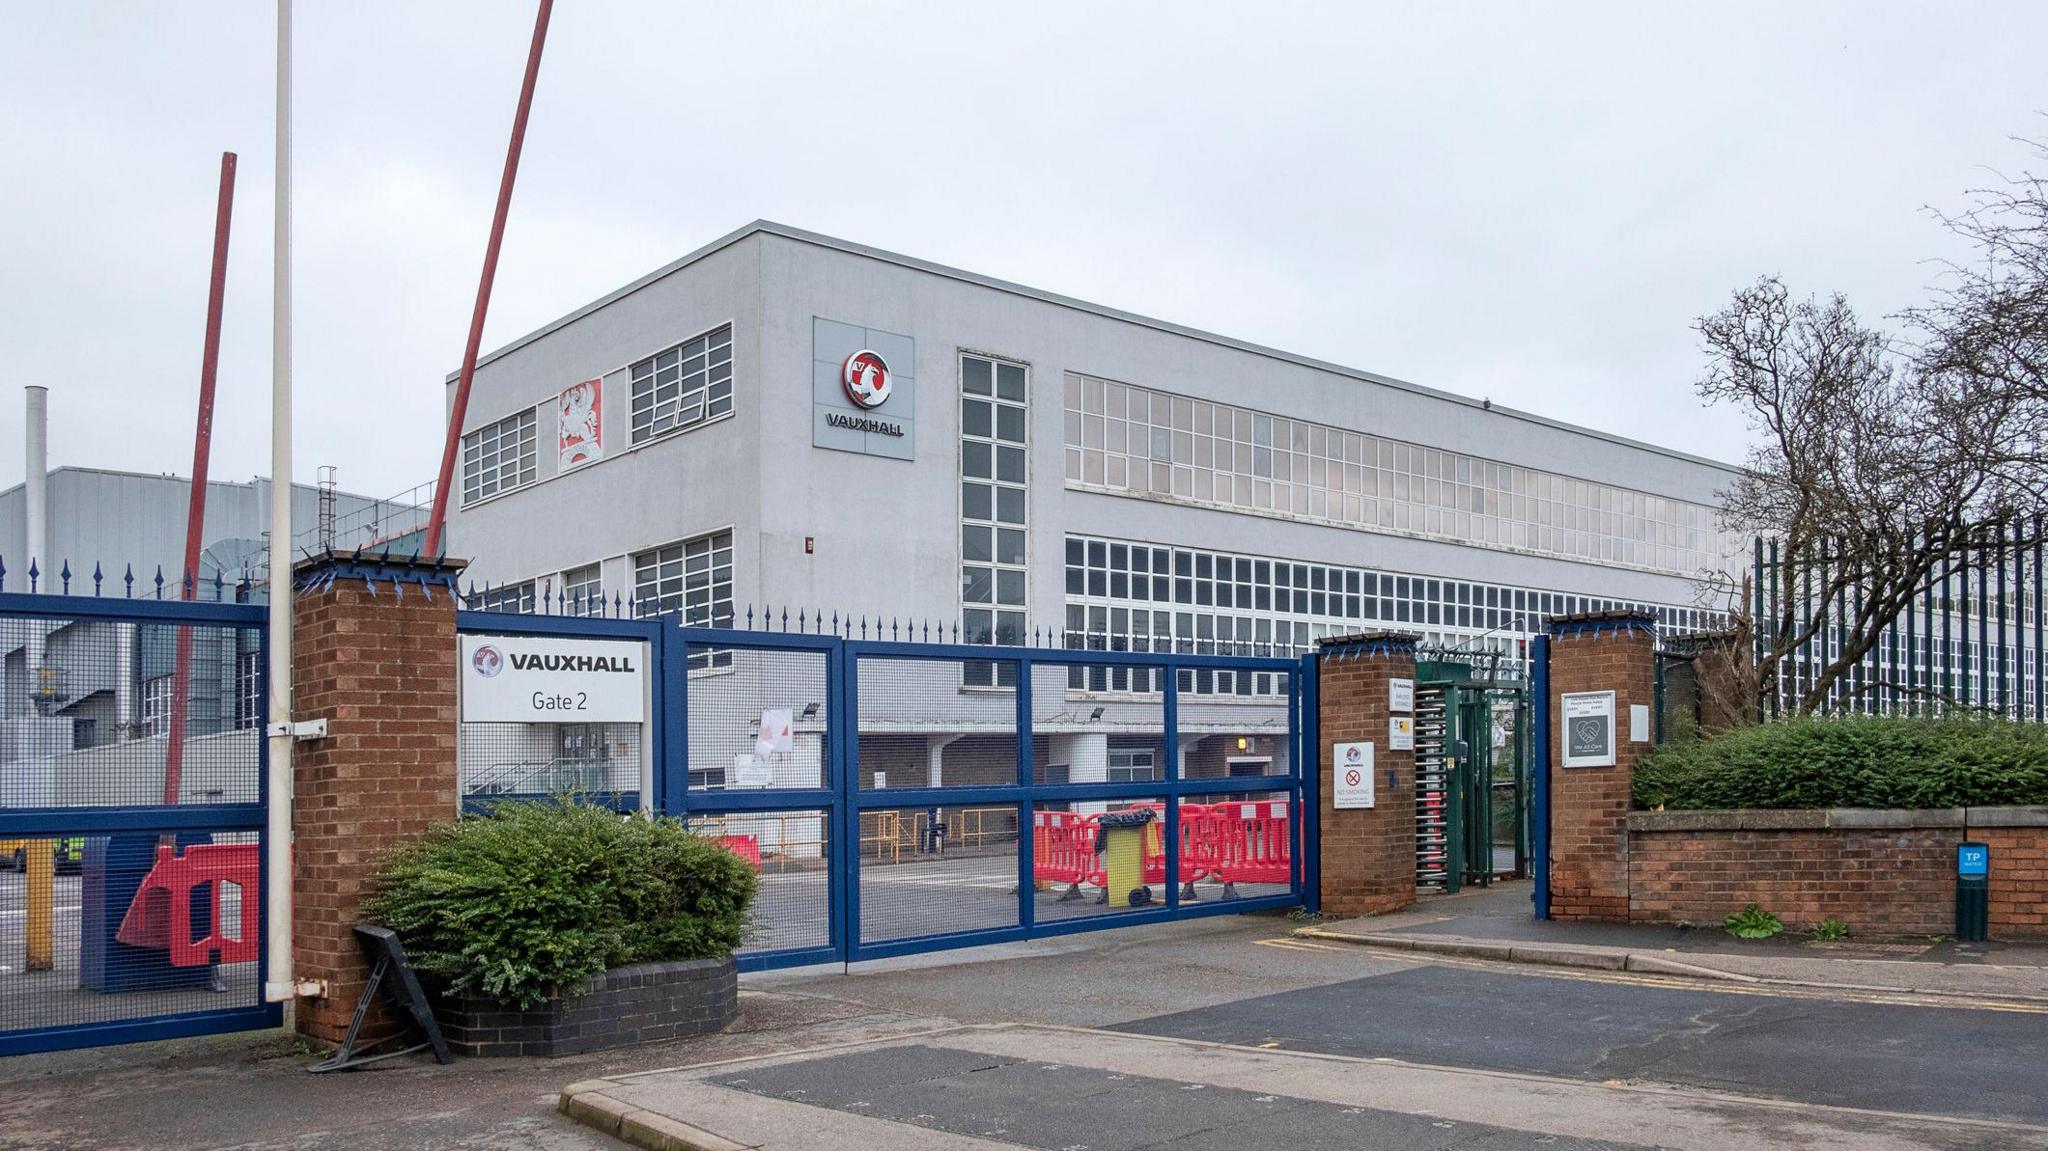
1973 861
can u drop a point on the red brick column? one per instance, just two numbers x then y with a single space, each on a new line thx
380 668
1589 806
1368 854
2018 839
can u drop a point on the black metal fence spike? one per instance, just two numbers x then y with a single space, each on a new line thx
3 573
65 575
159 581
96 577
128 580
33 573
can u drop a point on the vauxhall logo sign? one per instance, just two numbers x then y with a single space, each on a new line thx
865 378
522 679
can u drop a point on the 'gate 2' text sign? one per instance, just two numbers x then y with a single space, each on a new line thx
1351 786
1588 728
526 679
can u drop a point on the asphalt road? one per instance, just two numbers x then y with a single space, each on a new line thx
1946 1061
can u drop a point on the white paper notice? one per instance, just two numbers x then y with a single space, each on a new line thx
775 732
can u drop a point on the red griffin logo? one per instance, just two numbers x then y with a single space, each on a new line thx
865 375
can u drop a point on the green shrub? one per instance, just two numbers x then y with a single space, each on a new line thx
1752 922
1830 929
1852 761
535 896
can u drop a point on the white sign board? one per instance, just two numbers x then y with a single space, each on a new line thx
530 679
1400 695
1639 723
1401 733
1352 776
750 770
1588 728
774 734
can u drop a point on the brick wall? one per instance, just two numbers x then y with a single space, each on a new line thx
1589 806
1368 855
381 670
2018 839
1880 872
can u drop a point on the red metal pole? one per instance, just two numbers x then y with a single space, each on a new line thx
438 519
202 444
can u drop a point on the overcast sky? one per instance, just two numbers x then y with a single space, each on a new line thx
1528 205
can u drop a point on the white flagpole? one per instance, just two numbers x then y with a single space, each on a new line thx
279 985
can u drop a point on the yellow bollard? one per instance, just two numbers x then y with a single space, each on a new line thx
42 869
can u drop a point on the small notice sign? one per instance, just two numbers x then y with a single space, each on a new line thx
1400 695
1588 728
1351 786
775 734
1401 733
750 770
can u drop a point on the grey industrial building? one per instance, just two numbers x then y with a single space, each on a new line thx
706 439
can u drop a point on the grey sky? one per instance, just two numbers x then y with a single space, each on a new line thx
1526 204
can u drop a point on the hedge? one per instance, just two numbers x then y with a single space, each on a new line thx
535 896
1851 761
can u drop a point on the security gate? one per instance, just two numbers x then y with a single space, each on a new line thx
131 818
900 797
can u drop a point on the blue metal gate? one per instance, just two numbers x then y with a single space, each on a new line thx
930 795
131 818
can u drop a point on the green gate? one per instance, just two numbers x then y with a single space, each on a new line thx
1471 777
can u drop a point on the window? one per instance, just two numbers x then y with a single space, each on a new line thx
1136 441
692 579
249 672
1132 765
993 485
500 457
512 597
583 591
683 386
156 705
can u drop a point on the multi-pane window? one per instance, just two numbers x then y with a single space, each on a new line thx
692 579
249 673
685 385
512 597
993 486
500 457
1125 595
1132 440
1131 765
156 705
583 591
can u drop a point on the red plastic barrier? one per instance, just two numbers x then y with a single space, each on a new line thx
745 846
163 903
1062 846
1252 843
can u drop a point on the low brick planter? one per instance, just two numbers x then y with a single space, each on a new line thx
645 1003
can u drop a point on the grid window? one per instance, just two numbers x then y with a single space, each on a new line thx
1136 441
993 511
249 673
683 386
583 591
512 597
692 579
156 705
1132 765
500 457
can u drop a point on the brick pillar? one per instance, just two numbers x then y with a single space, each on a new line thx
1368 854
374 654
1589 806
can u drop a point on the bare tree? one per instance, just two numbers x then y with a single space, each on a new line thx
1876 470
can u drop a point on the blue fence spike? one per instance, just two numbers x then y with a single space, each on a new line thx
892 627
547 598
159 581
33 573
96 577
785 617
128 581
3 573
65 575
218 583
750 617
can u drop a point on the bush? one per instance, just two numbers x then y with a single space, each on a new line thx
535 896
1852 761
1752 922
